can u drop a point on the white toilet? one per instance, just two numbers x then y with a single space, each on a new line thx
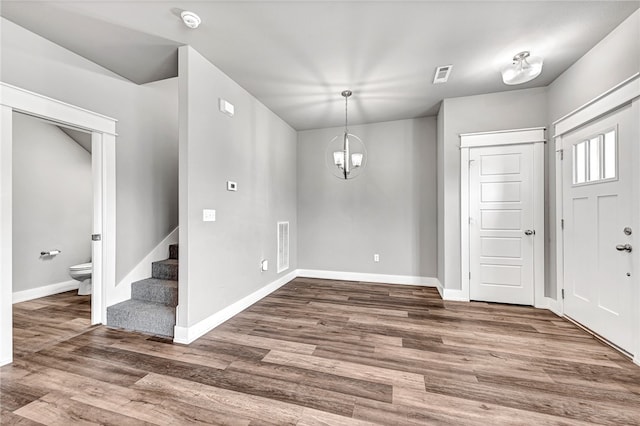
82 273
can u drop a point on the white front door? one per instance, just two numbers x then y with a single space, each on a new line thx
598 266
501 232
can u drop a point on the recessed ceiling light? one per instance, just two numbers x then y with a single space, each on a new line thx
190 19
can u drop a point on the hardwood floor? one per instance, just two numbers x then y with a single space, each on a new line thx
40 323
323 352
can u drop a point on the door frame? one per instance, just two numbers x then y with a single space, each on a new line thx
535 136
625 93
103 136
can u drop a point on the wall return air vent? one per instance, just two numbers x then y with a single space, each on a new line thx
283 246
442 74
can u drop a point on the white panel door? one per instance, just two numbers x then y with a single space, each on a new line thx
597 209
501 233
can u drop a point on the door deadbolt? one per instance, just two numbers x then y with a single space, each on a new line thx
627 231
624 247
529 232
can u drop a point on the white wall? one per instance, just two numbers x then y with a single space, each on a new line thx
390 209
52 203
611 61
147 142
220 261
496 111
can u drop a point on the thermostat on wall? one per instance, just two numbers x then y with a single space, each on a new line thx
226 107
232 186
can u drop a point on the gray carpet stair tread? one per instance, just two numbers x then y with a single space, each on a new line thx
173 251
165 269
156 290
146 317
172 262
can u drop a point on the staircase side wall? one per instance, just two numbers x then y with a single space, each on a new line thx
220 260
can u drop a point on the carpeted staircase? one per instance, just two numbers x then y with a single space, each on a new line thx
152 308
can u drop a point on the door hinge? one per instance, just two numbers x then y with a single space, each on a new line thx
562 154
469 274
561 223
562 292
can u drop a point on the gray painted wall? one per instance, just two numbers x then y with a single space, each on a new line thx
389 210
147 142
220 261
496 111
440 190
52 203
613 60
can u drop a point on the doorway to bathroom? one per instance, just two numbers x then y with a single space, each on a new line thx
102 233
52 227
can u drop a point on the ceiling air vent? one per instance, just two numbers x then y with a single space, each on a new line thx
442 74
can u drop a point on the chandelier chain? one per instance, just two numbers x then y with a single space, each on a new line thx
346 121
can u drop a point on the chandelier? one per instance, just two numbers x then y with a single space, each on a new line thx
346 154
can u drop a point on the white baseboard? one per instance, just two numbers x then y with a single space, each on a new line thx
47 290
440 288
636 360
143 269
554 306
454 295
371 278
186 335
6 361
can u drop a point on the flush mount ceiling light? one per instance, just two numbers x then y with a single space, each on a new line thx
523 68
346 154
190 19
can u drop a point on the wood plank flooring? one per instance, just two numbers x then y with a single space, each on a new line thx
321 352
40 323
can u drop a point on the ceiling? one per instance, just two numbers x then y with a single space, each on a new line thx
81 138
297 56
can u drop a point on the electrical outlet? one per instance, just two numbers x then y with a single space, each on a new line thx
208 215
376 257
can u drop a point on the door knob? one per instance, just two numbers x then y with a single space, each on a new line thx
529 232
624 247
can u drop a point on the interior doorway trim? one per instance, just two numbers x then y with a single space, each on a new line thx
625 93
535 136
103 136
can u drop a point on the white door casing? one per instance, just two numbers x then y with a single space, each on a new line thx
502 197
500 212
103 130
625 93
597 199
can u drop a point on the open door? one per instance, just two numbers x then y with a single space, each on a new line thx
103 131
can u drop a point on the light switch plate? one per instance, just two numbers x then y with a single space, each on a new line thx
226 107
232 186
208 215
264 265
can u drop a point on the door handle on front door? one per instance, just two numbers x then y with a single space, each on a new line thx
529 232
624 247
